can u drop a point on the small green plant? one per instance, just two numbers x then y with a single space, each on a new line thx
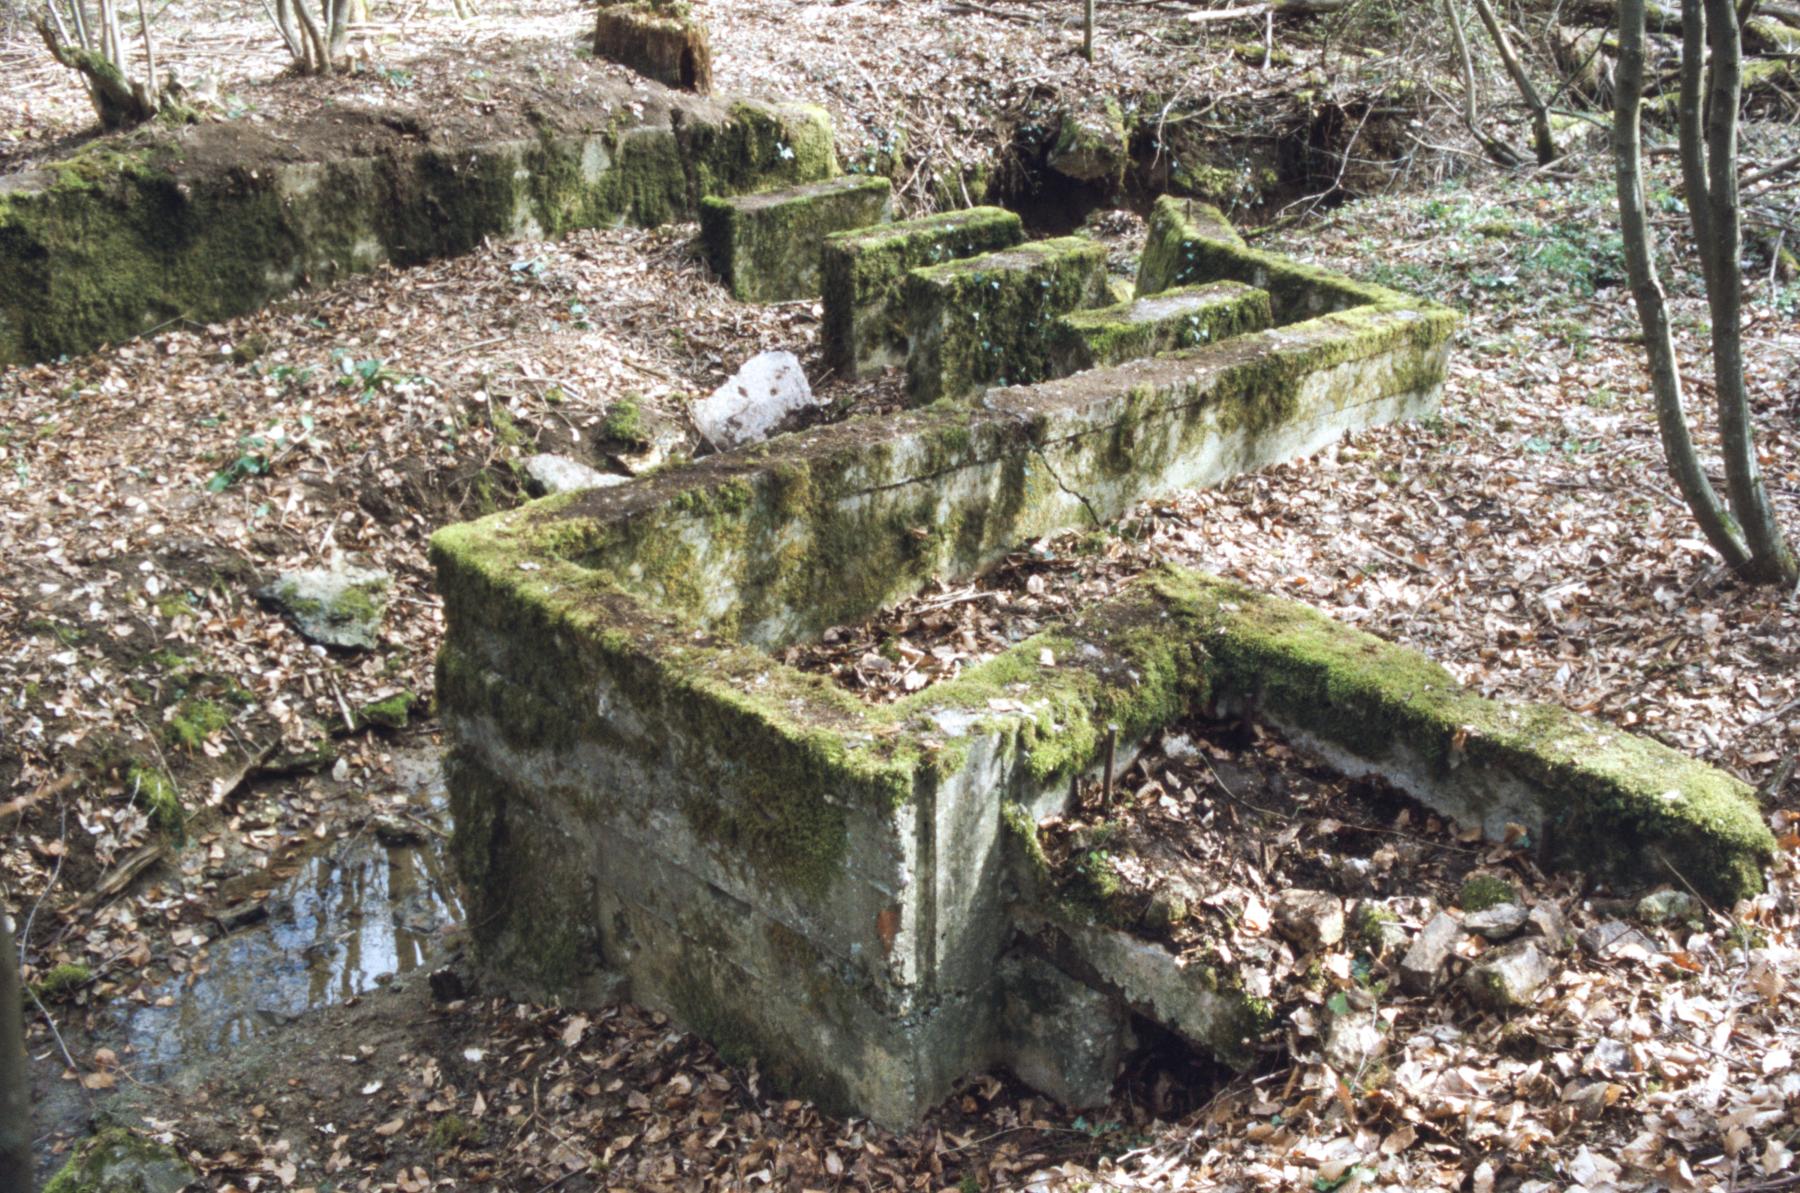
152 790
1482 891
61 982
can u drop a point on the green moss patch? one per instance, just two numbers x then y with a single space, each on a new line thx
766 246
61 982
391 712
862 272
151 789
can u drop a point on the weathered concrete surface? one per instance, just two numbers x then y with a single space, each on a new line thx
1190 242
766 245
863 270
192 225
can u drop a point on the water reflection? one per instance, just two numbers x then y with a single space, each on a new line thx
359 912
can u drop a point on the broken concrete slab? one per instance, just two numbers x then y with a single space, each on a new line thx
1091 143
1311 920
1163 322
766 391
658 39
1547 922
1611 939
1670 907
766 246
862 272
210 221
1502 921
990 320
1353 1040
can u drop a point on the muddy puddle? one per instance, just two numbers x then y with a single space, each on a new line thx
357 912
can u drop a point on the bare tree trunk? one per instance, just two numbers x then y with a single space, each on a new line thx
1544 143
1087 30
119 100
1498 150
1772 561
15 1078
1653 311
338 20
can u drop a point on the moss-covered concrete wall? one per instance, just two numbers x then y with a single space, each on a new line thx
862 272
1190 243
637 785
117 241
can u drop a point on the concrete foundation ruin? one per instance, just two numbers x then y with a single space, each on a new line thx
843 891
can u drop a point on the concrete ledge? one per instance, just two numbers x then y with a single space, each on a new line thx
1189 243
117 241
1156 323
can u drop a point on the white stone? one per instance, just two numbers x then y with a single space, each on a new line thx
753 404
549 473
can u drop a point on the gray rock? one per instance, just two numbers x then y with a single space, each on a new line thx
117 1161
1168 906
1091 143
750 407
1508 978
338 606
1423 966
550 473
1546 920
1670 907
1311 919
1502 921
1353 1040
1061 1037
1614 937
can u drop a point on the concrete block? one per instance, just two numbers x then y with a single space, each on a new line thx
659 40
991 320
1165 322
766 246
865 325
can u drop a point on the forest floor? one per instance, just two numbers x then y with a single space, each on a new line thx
1528 538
